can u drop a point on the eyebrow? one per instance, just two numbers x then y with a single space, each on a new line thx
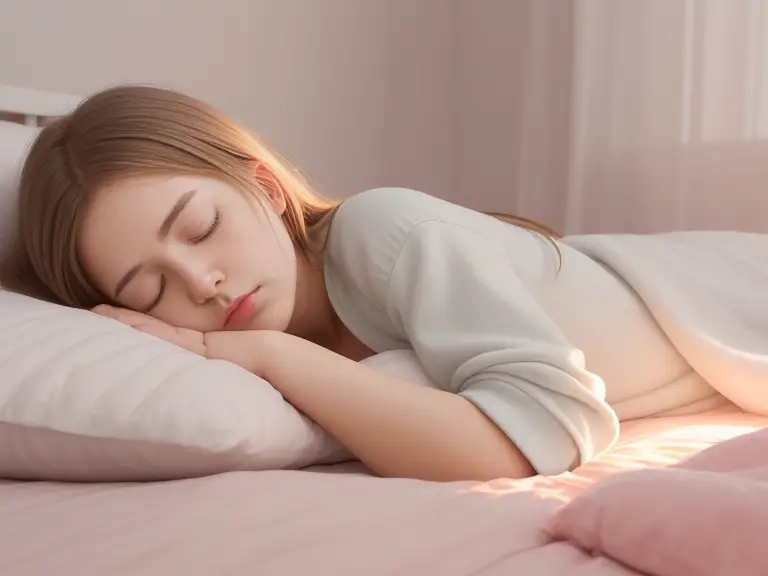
165 228
181 203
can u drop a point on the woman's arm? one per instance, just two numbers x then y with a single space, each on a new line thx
468 294
396 428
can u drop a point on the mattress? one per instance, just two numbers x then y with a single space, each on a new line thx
335 520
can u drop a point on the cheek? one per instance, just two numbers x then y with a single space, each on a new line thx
259 240
104 257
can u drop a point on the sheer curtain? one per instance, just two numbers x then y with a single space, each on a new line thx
648 115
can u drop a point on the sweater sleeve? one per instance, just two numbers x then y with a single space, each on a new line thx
479 332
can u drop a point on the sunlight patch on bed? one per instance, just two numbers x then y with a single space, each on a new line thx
648 444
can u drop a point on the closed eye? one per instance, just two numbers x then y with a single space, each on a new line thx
211 229
159 295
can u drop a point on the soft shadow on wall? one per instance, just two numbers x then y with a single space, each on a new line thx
356 93
588 115
619 116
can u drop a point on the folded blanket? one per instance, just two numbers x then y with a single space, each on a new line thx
707 516
707 292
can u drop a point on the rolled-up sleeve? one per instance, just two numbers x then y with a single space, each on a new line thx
480 333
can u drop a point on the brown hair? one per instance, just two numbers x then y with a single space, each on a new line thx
130 131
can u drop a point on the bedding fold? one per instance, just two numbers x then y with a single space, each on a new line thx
707 290
707 516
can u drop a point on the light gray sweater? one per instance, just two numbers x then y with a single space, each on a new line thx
555 357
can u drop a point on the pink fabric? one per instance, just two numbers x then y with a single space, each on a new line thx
333 520
707 516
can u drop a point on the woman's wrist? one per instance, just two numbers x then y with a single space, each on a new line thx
253 350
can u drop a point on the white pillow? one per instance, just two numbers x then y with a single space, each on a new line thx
84 397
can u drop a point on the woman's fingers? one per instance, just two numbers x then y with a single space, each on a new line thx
124 315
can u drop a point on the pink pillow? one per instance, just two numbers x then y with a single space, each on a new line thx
705 517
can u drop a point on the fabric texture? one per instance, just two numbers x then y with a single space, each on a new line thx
405 269
331 520
491 317
84 397
707 516
707 292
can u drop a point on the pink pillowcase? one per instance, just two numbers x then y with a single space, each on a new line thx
705 517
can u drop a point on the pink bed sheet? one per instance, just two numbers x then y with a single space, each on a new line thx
329 520
706 516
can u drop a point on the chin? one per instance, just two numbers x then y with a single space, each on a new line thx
277 319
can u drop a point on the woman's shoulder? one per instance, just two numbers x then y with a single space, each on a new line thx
383 219
391 214
394 206
379 220
369 230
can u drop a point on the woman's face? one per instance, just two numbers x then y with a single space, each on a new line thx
193 252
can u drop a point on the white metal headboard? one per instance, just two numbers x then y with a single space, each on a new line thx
32 107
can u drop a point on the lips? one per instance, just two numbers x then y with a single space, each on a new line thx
241 308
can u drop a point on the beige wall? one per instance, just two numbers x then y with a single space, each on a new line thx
357 92
568 112
513 106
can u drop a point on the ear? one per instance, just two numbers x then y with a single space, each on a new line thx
271 186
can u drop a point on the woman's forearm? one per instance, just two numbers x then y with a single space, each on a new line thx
396 428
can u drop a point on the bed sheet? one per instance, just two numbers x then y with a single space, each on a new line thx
327 520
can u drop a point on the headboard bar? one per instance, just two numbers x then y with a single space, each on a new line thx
32 107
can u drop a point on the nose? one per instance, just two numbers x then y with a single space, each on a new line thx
202 285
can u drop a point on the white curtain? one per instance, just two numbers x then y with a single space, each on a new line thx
649 115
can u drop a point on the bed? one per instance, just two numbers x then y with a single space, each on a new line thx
331 520
334 519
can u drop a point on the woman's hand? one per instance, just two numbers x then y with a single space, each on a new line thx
249 349
191 340
254 350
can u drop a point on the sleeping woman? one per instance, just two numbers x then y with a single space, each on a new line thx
152 208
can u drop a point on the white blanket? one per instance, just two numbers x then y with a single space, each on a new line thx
709 293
